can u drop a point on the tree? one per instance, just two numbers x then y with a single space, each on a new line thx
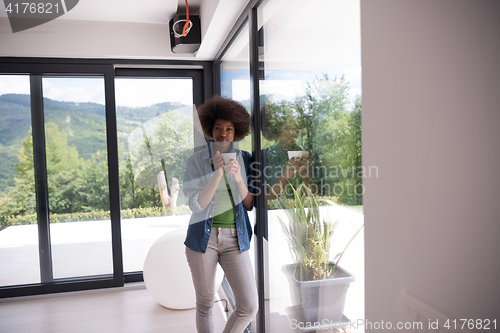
167 138
21 199
91 190
329 132
129 190
335 138
69 177
63 169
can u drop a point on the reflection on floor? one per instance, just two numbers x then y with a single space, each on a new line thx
80 248
83 248
278 298
122 310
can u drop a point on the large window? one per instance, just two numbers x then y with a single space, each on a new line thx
58 216
155 137
235 75
77 177
69 155
235 84
310 100
77 180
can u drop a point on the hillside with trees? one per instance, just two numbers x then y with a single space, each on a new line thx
329 130
77 155
83 123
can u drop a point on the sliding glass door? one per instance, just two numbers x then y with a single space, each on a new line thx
69 156
155 137
297 65
77 177
18 223
310 103
59 214
67 143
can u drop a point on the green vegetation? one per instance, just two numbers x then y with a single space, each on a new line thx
83 123
158 138
77 168
130 213
357 208
288 200
170 142
308 234
329 132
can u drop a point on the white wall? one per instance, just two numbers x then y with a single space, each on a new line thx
89 39
431 118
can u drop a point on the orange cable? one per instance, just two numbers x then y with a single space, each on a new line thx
185 30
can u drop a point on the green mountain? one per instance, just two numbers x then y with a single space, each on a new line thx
83 123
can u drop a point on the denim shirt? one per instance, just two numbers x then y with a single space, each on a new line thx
199 170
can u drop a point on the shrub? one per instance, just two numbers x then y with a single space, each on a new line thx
93 216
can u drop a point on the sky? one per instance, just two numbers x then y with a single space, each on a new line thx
77 90
128 92
14 84
289 84
144 92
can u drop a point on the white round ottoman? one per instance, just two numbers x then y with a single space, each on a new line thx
166 272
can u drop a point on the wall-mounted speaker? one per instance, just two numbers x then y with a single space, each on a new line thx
185 44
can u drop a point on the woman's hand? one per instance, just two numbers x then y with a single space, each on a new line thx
233 167
300 164
295 164
218 163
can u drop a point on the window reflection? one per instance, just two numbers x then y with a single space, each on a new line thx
77 176
155 137
310 92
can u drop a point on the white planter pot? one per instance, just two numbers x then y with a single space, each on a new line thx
321 300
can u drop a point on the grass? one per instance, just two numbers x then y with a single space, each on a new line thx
93 216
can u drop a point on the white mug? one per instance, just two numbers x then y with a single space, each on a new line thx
227 156
296 153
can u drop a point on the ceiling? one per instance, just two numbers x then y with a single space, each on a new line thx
150 11
126 29
118 19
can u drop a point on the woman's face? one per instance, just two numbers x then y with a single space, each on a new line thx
223 131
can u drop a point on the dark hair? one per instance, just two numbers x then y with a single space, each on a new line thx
227 109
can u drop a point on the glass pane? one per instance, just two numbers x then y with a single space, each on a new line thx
235 76
235 84
311 98
19 260
155 137
77 174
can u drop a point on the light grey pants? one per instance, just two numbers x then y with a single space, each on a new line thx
223 248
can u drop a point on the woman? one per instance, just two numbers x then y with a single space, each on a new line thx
280 171
219 231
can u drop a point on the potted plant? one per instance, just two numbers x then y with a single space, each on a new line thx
318 286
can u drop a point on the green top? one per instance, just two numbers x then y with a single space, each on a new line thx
224 206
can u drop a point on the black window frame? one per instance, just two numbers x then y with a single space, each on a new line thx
199 96
249 16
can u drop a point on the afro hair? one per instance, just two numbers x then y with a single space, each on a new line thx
227 109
